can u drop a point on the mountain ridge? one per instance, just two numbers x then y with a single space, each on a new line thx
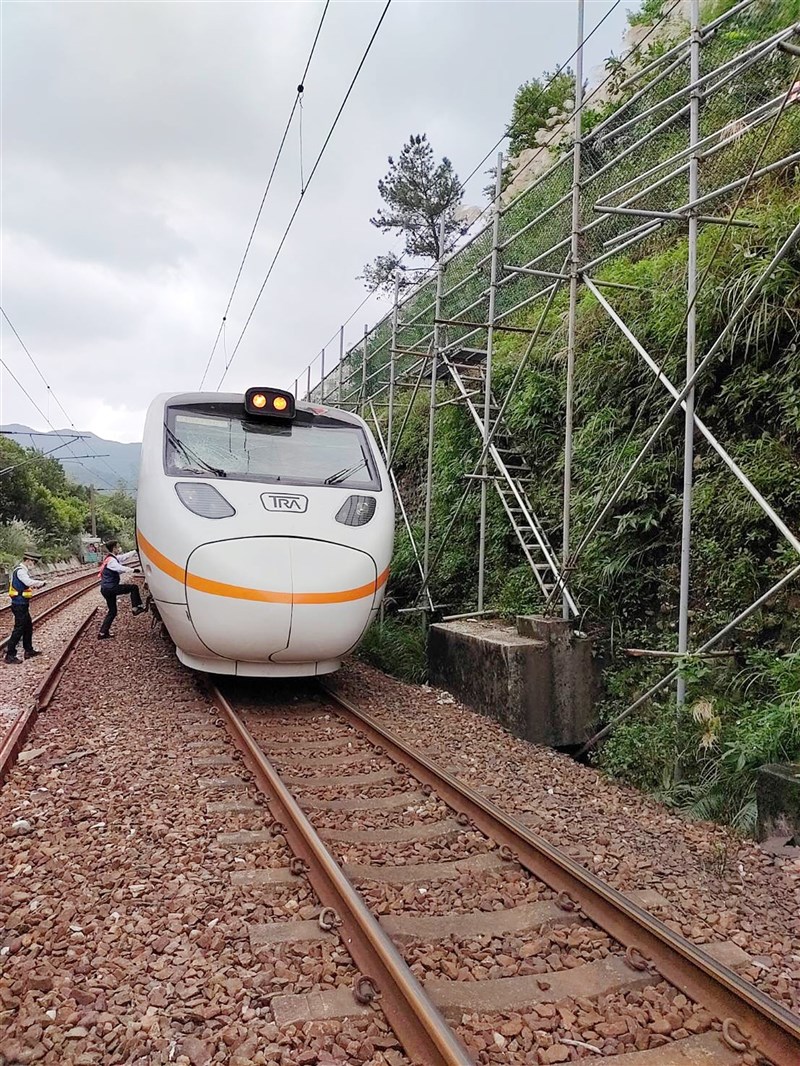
120 468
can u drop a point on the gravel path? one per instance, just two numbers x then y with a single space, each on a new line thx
719 886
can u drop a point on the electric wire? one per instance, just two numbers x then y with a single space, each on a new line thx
35 366
308 184
559 70
22 388
58 433
297 102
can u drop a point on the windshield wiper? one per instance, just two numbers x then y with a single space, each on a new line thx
343 475
193 457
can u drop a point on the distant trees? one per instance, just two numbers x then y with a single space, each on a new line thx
417 192
41 508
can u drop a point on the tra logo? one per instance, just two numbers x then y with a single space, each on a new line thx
285 501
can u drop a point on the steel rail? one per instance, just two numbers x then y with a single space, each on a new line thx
426 1037
768 1026
61 585
53 609
22 724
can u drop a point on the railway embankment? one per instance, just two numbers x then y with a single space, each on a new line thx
154 909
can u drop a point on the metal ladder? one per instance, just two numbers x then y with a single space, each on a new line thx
513 470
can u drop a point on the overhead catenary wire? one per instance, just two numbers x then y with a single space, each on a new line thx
25 349
298 102
22 388
50 391
317 162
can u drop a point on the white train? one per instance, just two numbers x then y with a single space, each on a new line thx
265 529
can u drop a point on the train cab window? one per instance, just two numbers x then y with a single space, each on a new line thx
216 440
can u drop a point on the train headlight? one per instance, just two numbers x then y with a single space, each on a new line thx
203 499
356 510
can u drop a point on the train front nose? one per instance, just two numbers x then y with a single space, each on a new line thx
280 599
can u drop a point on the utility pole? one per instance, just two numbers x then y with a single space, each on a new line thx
92 511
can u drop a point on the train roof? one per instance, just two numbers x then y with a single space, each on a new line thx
168 398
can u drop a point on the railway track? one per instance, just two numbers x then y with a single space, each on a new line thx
480 941
87 577
14 732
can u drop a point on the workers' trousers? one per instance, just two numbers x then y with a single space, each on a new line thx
23 629
111 596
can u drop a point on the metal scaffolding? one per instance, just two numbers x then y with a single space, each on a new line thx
673 155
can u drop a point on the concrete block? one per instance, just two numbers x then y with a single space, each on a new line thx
778 797
521 679
573 673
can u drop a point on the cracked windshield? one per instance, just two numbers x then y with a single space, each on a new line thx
220 444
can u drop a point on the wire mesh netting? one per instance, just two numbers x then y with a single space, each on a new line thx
635 157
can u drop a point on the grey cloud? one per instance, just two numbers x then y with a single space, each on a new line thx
137 138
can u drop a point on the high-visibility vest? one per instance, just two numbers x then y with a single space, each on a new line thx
111 579
17 589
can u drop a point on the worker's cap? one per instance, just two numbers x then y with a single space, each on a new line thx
32 556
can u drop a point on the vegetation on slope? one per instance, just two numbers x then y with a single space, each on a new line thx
741 710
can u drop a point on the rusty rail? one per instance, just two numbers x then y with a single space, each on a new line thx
765 1025
425 1035
15 738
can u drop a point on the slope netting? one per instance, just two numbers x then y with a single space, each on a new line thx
635 158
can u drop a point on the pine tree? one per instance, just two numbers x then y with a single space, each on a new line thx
417 192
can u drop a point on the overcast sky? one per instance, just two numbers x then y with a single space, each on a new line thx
136 143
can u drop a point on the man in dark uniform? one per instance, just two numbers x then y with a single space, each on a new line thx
111 586
20 589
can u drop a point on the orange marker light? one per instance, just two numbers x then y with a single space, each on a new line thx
267 402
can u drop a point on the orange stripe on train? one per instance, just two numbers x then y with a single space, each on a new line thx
239 592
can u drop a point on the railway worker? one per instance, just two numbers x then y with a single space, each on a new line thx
112 587
20 589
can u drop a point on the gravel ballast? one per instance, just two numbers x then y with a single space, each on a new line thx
124 938
129 925
719 886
